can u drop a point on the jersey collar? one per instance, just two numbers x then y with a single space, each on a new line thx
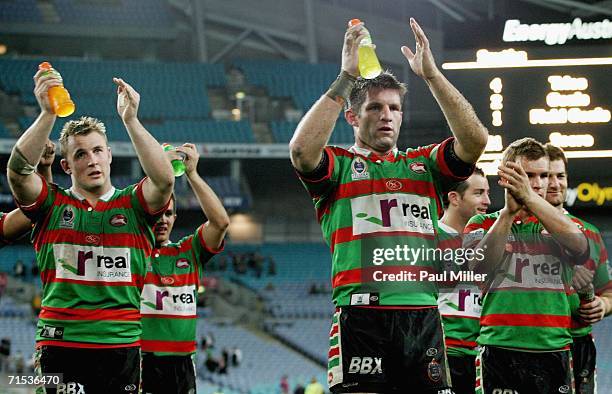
391 156
105 197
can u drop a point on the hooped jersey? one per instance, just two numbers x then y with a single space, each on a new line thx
598 263
92 263
526 306
367 205
169 296
460 304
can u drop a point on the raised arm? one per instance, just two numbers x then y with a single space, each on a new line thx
24 183
218 220
470 134
15 225
46 161
315 128
559 225
159 184
493 244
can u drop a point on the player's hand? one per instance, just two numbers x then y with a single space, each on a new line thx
128 100
582 277
514 179
350 48
191 159
511 205
48 156
43 81
592 312
421 60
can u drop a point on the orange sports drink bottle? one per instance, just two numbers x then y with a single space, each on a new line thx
59 97
369 66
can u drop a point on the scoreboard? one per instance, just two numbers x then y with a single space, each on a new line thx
566 101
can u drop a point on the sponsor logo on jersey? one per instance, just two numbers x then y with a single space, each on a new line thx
504 391
564 389
118 220
432 351
391 212
393 185
365 365
167 280
464 300
67 220
130 387
92 239
418 168
179 300
52 332
70 388
182 263
540 271
445 391
364 299
359 168
92 263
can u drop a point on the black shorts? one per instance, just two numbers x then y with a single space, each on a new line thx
463 373
90 371
168 374
387 350
502 371
584 361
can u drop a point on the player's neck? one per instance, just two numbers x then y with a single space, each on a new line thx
453 220
363 145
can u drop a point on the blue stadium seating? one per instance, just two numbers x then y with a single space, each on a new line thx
19 11
138 13
282 131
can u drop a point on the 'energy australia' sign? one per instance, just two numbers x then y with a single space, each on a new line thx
557 33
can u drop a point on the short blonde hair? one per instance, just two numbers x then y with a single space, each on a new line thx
83 126
527 147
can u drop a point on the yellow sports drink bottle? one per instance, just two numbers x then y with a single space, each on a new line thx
59 97
369 66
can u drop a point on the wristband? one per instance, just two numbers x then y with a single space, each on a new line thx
340 89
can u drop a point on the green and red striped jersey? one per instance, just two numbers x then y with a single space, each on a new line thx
92 261
366 203
526 306
598 263
461 304
168 300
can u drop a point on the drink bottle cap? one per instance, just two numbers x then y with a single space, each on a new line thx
353 22
45 66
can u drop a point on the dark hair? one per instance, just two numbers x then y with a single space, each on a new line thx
362 86
526 147
460 187
555 153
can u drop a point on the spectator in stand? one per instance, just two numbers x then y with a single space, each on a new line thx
19 270
299 389
314 387
5 353
284 385
236 356
271 266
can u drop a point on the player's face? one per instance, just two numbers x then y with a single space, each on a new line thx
537 171
164 225
475 198
557 183
379 120
88 160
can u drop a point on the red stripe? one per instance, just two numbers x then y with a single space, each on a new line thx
173 251
334 330
359 275
461 317
452 342
396 307
486 225
168 346
48 276
177 279
48 312
137 241
452 243
86 345
345 234
101 206
335 351
525 320
575 324
371 186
